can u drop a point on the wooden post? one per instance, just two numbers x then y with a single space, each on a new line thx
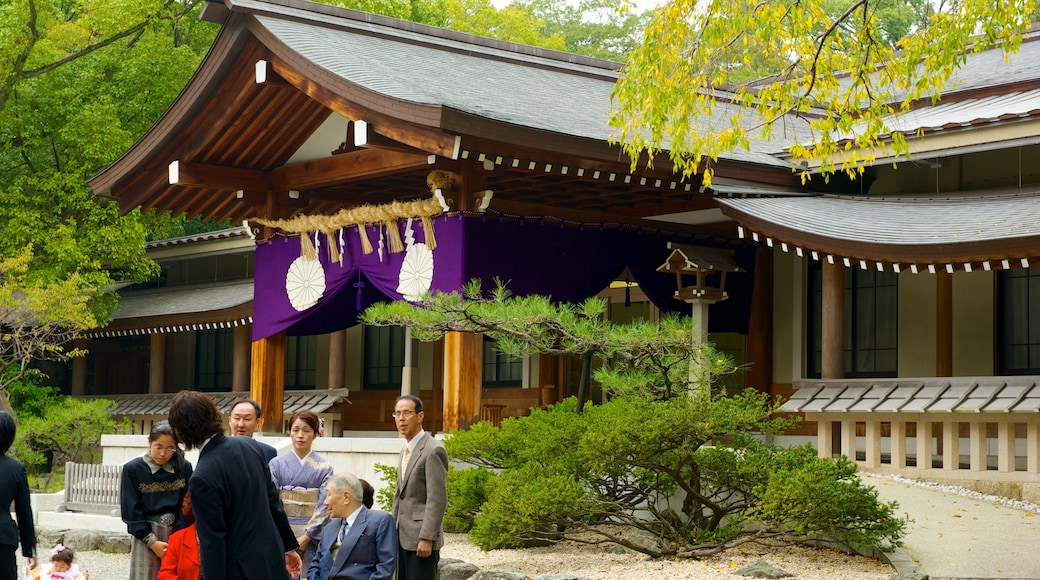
833 356
463 369
100 375
951 455
848 439
760 327
240 358
943 324
156 363
1005 446
337 359
410 370
897 443
872 444
267 384
977 446
1032 447
924 444
79 370
824 437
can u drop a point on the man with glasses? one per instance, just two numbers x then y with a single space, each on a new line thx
421 496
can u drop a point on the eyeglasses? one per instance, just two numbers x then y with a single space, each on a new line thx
158 449
405 414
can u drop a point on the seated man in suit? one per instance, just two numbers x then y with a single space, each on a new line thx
357 543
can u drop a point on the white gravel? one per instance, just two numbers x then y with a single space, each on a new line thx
602 562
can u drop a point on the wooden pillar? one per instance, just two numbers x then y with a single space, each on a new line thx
240 358
337 359
924 444
79 370
1032 447
951 455
463 369
157 363
897 442
943 324
977 446
760 327
848 439
267 384
1005 446
872 444
833 363
824 437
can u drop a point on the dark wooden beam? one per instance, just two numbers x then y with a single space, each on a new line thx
424 138
218 177
330 171
367 136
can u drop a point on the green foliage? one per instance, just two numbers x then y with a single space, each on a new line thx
691 472
816 498
68 430
385 494
29 397
649 359
836 70
467 489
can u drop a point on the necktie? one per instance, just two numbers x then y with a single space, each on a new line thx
404 462
343 531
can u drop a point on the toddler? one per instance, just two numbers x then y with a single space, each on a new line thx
61 566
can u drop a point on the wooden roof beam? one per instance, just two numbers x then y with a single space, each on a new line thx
424 138
367 136
330 171
218 177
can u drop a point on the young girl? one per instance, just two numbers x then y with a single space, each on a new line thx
151 492
61 566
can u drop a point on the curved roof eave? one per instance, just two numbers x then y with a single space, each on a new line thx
194 96
950 233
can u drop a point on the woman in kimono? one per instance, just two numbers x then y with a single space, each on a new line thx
301 477
151 493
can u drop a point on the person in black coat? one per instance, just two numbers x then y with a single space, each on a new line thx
243 531
14 487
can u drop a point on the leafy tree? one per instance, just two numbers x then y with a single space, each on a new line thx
68 430
840 75
640 359
676 478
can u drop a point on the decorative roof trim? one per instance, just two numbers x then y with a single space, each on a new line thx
916 395
960 232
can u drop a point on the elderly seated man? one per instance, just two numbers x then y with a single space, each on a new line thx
357 543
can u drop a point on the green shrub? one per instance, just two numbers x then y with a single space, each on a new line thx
385 494
467 492
68 430
687 475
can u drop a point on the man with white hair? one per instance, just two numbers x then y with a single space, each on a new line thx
357 543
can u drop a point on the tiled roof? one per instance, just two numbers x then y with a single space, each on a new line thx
955 232
513 84
915 395
318 401
226 234
182 308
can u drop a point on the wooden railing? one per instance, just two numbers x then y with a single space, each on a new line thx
969 428
91 488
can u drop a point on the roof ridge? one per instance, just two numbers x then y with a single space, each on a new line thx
308 11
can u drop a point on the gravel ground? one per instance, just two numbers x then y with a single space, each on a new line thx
604 562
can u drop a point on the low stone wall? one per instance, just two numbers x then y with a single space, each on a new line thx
82 539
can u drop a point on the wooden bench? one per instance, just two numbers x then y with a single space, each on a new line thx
91 488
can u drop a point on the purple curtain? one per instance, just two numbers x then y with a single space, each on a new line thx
565 262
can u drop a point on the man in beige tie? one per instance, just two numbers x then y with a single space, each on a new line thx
422 495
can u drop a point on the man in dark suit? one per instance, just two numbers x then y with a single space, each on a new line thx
14 487
244 419
422 494
356 543
243 531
